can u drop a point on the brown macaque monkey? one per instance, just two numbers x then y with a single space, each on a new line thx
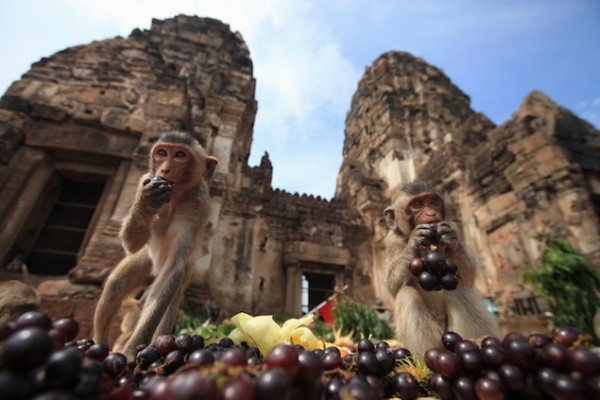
166 222
417 219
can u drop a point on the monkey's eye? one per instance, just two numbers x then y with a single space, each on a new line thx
435 201
180 154
416 203
161 153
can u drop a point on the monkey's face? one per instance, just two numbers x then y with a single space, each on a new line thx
425 208
172 161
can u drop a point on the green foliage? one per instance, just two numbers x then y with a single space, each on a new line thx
197 325
569 284
364 322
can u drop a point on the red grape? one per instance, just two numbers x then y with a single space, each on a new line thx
489 389
284 356
435 262
68 327
416 266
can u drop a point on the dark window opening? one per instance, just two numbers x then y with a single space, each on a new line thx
316 288
59 240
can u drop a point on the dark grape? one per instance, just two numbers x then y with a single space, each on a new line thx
566 387
202 357
489 389
332 360
416 266
464 389
197 342
450 340
146 356
447 365
451 266
566 335
428 281
367 363
285 357
6 329
449 281
68 327
34 319
472 362
97 351
493 356
274 383
583 361
184 343
191 385
466 345
311 366
439 386
173 361
226 342
26 349
114 364
240 388
366 345
512 376
435 262
555 355
62 368
386 360
520 353
234 356
406 386
431 356
165 344
539 340
490 341
401 353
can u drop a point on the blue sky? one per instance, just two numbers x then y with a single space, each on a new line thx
309 56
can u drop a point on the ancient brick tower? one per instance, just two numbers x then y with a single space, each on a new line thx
78 125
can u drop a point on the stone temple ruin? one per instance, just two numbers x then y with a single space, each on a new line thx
74 135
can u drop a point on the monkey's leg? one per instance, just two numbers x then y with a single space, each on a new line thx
417 325
468 316
170 280
169 319
130 275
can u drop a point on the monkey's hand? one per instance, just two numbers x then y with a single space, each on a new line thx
447 236
421 236
156 192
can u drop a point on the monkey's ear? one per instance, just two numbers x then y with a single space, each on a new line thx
211 165
390 217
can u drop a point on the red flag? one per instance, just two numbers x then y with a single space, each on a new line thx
326 309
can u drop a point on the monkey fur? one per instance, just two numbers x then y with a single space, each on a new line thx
421 317
165 224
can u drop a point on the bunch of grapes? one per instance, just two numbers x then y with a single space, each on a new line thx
434 271
40 359
557 366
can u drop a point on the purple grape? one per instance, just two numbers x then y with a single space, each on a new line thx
539 340
451 266
165 344
464 389
450 340
512 376
416 266
114 364
435 262
386 360
493 356
489 389
566 335
428 281
555 356
26 349
583 361
367 364
448 365
191 385
285 357
239 388
440 387
311 367
472 362
146 356
173 361
449 281
274 383
406 386
34 319
366 345
97 351
184 343
235 356
68 327
203 357
520 353
62 368
332 360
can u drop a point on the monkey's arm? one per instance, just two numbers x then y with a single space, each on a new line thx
152 194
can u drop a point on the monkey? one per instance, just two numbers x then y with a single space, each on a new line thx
415 219
130 312
165 223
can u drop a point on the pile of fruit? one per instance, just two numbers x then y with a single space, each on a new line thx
41 359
